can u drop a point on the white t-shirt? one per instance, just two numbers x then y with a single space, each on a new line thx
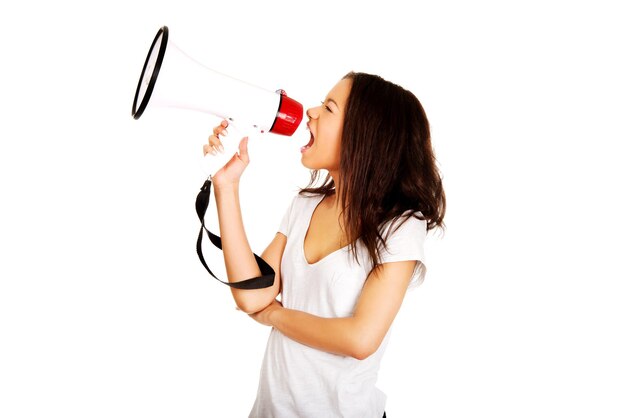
299 381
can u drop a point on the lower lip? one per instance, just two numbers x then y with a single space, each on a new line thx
304 149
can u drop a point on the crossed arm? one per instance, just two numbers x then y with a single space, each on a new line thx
357 336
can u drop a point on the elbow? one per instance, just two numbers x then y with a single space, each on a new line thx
249 307
253 301
252 305
363 346
361 353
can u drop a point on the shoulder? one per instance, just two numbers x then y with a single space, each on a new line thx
404 240
303 200
407 224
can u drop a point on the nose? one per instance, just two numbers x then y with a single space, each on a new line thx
312 113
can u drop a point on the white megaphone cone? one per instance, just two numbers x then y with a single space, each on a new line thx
171 78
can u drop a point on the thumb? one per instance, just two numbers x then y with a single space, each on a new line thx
243 150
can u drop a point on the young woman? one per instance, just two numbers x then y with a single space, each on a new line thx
345 252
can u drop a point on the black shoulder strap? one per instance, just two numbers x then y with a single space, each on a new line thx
267 272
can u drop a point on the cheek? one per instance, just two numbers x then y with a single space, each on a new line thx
332 138
336 149
333 153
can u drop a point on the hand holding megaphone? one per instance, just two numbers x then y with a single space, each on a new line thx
228 155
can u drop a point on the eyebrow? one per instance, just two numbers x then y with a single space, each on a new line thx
331 100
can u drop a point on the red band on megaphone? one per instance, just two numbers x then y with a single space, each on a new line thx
288 117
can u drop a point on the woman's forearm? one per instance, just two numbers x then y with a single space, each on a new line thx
238 256
358 335
343 336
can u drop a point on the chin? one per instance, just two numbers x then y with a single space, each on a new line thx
308 164
323 162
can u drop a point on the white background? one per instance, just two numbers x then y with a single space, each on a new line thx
105 310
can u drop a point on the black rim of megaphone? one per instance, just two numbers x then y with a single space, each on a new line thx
137 111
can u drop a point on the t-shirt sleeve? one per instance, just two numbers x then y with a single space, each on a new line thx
406 243
285 224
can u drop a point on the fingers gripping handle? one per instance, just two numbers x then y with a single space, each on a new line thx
210 163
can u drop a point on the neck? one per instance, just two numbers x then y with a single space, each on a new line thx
335 200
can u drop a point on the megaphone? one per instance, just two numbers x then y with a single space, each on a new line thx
171 78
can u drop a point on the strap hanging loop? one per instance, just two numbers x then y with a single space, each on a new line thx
267 272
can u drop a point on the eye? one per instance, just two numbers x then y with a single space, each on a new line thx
326 107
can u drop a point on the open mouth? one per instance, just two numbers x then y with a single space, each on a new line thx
307 146
311 141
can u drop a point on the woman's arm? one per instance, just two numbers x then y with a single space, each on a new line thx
358 336
238 256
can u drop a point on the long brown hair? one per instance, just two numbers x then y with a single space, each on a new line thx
387 163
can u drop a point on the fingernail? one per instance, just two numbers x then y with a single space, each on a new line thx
224 132
221 148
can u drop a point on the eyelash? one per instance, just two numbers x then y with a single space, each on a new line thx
326 107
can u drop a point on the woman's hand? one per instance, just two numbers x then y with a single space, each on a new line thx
264 316
230 174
